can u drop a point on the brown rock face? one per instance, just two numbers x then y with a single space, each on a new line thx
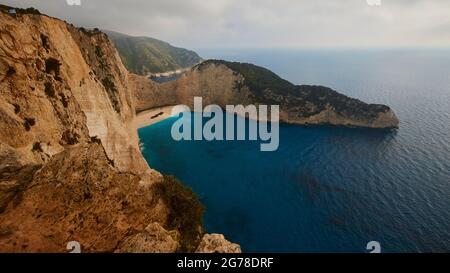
79 196
216 243
149 94
155 239
70 165
61 86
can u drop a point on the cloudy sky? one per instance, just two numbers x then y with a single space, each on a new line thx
264 23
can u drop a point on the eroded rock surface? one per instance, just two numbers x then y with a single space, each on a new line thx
154 239
79 196
216 243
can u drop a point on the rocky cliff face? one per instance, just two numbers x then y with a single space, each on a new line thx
70 165
61 87
149 94
224 83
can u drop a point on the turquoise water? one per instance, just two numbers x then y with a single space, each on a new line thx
330 189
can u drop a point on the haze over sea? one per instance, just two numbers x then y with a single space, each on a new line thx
330 189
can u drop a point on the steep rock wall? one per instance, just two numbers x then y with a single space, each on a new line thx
70 165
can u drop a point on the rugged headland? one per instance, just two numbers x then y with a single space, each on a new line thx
70 164
224 83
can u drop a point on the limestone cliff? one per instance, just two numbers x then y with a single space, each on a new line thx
224 83
70 165
149 94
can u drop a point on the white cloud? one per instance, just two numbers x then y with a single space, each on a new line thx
265 23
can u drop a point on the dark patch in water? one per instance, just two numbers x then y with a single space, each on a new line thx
313 187
237 221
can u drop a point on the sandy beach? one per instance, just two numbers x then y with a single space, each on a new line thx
151 116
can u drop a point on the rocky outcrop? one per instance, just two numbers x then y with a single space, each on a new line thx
149 94
224 83
154 239
79 196
70 165
216 243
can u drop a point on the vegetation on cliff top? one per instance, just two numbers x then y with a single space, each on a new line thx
143 55
186 211
31 10
257 78
306 100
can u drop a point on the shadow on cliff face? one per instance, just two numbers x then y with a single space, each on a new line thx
13 181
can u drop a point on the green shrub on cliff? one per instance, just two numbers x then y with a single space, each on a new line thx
186 211
5 8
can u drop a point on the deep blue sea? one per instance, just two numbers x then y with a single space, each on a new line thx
330 189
